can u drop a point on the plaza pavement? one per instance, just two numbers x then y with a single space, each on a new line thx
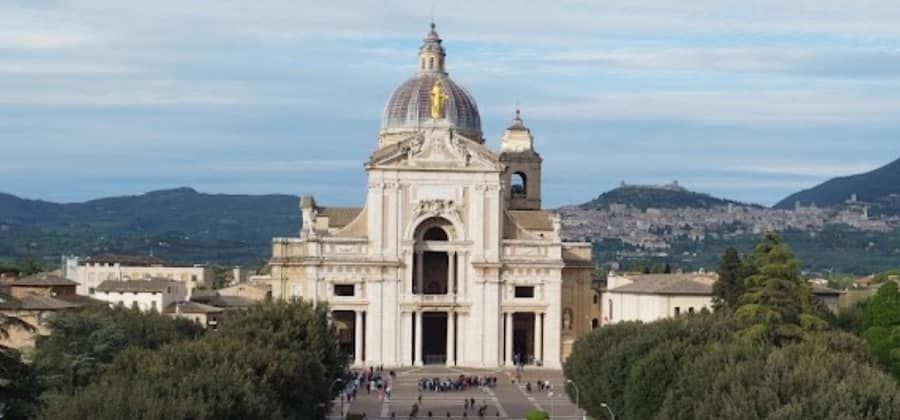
508 400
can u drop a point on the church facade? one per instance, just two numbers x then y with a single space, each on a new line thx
452 260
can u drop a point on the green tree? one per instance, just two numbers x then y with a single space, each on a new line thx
728 289
777 305
274 361
82 344
826 377
19 387
881 327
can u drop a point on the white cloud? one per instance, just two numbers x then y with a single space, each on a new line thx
58 68
800 107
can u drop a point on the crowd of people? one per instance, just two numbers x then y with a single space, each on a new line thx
371 380
460 383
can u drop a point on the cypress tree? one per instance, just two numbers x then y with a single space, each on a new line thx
728 290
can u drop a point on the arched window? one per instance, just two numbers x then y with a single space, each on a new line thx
596 299
519 184
430 63
423 63
435 234
595 323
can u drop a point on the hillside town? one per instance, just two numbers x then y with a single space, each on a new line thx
656 228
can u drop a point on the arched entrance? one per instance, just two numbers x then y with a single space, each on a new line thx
434 274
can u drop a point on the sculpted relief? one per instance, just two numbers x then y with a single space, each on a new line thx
436 207
440 147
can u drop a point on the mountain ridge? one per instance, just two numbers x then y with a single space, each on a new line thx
668 196
877 185
180 224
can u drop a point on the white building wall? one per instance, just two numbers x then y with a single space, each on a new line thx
90 275
649 307
145 301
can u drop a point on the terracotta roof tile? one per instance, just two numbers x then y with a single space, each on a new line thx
43 279
666 284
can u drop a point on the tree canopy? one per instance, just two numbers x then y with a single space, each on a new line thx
275 361
769 356
777 305
728 290
881 327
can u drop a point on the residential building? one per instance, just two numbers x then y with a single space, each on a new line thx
153 294
209 317
650 297
92 271
254 291
45 284
32 299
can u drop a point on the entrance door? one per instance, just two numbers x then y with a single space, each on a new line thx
523 338
345 327
434 338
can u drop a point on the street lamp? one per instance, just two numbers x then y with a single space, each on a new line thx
612 415
577 396
341 394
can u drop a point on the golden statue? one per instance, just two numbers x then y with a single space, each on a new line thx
438 100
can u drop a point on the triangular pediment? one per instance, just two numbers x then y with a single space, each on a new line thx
437 148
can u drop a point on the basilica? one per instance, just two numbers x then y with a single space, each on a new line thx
451 261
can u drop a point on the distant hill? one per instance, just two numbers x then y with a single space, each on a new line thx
662 197
178 224
879 186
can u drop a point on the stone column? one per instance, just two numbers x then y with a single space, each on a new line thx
406 339
451 338
508 357
419 338
538 336
358 339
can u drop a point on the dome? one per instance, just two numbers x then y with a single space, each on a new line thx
410 104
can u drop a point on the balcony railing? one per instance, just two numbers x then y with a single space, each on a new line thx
447 299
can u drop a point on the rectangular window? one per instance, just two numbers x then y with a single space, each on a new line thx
153 305
677 310
90 290
524 291
691 310
343 289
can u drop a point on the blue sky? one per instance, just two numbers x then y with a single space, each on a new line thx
747 100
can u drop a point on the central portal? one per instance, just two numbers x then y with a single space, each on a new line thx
434 338
523 338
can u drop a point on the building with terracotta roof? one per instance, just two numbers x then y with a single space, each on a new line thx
47 284
651 297
91 271
153 294
208 316
34 307
452 259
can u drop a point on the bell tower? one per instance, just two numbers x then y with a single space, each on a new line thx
523 167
